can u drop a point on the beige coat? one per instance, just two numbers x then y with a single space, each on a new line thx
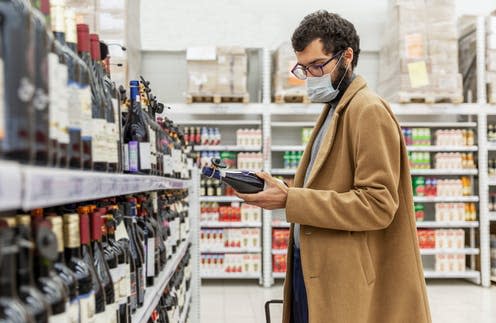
359 249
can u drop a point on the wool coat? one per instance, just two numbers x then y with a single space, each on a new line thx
359 250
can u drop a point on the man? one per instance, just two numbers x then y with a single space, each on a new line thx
353 254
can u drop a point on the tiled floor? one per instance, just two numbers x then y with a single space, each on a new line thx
242 302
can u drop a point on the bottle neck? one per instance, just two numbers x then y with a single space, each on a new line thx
25 263
8 281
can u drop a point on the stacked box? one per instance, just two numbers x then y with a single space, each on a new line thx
232 63
491 58
284 82
221 71
419 55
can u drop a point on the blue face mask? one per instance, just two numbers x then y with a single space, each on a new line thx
320 88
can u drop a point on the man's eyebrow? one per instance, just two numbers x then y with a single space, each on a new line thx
315 61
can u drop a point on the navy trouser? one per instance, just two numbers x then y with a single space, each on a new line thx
299 304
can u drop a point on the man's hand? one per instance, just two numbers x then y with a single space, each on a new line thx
273 197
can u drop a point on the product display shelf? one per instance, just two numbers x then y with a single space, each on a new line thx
442 148
282 171
30 187
437 171
492 216
225 224
447 224
153 293
230 275
491 181
208 249
467 274
436 109
451 251
491 146
10 186
220 199
288 148
227 148
447 199
214 109
184 314
281 225
218 122
493 279
279 251
438 124
292 124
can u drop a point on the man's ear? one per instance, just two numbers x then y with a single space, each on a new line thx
348 55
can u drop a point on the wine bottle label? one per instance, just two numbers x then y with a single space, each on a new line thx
115 273
121 232
150 257
74 311
142 280
111 313
168 167
74 107
98 143
53 113
125 284
125 157
153 142
134 290
85 101
2 102
87 307
63 104
133 156
101 317
58 318
176 159
144 156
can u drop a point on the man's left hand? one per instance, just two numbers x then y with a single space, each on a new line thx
273 197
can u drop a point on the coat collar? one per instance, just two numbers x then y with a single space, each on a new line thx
356 85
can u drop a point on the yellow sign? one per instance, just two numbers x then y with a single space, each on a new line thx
418 74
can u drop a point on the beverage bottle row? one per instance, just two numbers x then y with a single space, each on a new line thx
88 263
291 159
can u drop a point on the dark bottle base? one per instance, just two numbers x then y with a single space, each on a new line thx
86 155
112 168
23 157
150 281
63 155
100 166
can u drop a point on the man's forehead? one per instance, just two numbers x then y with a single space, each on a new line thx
314 51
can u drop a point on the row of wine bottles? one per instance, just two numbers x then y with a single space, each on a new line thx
60 108
91 262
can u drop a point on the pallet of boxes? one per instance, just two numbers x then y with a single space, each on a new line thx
217 75
491 58
419 54
287 88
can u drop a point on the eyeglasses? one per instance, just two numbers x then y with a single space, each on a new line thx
301 72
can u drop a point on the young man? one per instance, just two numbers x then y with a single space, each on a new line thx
353 254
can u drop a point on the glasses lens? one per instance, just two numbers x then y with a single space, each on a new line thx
315 70
300 73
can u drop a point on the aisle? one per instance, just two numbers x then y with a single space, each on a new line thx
242 302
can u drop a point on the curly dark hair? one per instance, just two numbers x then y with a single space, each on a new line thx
336 33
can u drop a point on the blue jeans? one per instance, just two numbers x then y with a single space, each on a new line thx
299 303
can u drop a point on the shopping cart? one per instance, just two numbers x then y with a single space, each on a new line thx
267 308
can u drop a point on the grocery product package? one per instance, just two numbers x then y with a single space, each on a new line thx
418 57
284 82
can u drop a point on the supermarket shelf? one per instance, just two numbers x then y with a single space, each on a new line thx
492 216
226 148
288 148
230 250
493 279
44 187
447 224
215 109
279 275
281 225
437 109
220 199
187 304
230 276
442 251
444 171
447 199
292 124
491 181
153 293
10 186
491 146
442 148
225 224
439 124
205 122
470 274
296 108
282 171
279 251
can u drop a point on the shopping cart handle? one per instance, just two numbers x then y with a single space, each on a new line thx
267 308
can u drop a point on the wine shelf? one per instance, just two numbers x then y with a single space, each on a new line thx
227 148
153 293
229 276
10 186
187 304
230 250
220 199
220 224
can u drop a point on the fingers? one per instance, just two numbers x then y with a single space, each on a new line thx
264 175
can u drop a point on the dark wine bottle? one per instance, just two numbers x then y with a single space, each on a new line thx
150 244
51 285
84 227
65 272
136 248
101 265
241 181
17 116
82 270
87 91
73 91
45 144
11 308
33 299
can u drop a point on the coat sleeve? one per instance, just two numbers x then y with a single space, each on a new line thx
373 200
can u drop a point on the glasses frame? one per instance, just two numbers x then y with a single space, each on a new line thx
316 66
